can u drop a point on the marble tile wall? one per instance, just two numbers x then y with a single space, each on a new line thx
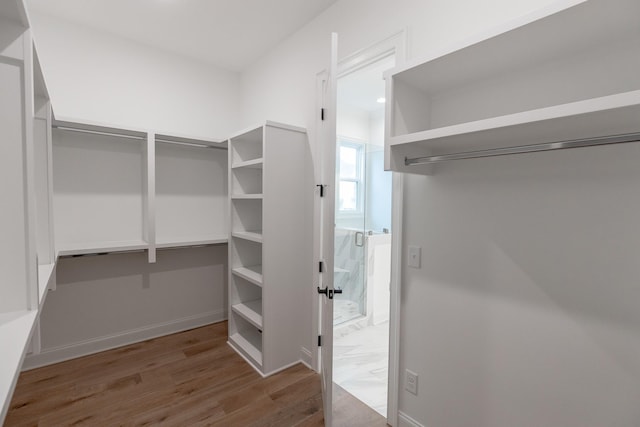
349 273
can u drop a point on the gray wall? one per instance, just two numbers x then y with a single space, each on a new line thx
110 300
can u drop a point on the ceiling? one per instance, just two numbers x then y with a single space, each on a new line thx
230 34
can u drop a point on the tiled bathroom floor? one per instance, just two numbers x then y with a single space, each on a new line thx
345 310
360 363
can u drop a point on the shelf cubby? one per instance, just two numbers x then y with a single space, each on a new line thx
191 194
252 273
98 190
246 147
246 181
246 215
247 339
252 236
251 311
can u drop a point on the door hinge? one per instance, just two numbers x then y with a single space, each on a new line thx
321 189
319 340
322 114
320 267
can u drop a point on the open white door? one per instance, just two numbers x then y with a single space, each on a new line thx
327 212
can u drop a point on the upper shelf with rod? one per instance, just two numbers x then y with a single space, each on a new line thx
559 76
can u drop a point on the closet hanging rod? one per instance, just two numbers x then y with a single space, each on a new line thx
534 148
189 144
136 137
96 132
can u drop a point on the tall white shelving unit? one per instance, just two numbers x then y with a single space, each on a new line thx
568 72
266 247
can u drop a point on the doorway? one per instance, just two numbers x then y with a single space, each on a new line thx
362 239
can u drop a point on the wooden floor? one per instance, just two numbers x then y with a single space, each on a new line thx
188 379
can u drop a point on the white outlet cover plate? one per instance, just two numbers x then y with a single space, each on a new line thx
415 256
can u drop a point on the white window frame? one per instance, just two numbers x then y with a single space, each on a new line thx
360 146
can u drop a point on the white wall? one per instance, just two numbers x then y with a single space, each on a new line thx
525 312
99 77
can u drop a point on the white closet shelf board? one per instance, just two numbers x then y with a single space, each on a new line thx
15 331
45 272
187 242
211 142
68 249
89 126
247 196
14 11
249 164
248 235
605 116
270 124
248 344
566 72
251 311
252 273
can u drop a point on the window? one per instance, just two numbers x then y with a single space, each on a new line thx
350 176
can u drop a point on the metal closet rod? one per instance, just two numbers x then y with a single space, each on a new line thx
189 144
97 132
139 138
534 148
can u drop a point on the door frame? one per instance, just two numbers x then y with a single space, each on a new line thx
395 44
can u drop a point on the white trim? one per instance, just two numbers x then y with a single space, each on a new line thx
406 421
108 342
306 357
282 368
395 304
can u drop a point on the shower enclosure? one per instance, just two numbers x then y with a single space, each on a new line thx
362 240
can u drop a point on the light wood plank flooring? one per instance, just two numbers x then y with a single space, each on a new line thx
192 378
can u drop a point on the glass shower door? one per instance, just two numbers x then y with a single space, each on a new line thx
349 247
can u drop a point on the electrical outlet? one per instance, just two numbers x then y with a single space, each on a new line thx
411 382
415 255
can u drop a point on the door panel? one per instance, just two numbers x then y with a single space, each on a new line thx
328 173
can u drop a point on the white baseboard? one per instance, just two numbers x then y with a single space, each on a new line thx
405 420
306 357
53 355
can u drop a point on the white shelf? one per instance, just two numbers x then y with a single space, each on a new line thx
45 272
249 344
605 116
185 242
191 140
248 235
253 274
247 196
15 331
101 247
566 72
249 164
251 311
